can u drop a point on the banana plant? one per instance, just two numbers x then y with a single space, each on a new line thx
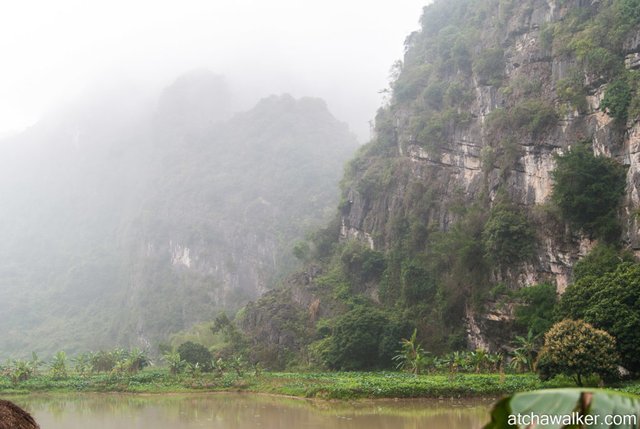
567 409
411 355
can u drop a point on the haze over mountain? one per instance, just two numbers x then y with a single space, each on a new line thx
340 51
124 220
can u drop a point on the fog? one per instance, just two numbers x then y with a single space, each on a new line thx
160 161
55 52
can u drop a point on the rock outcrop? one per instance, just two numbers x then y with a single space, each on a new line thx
14 417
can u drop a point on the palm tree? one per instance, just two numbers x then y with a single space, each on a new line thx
219 365
238 364
411 355
137 360
526 346
20 370
59 365
35 363
82 364
174 361
479 360
458 361
519 361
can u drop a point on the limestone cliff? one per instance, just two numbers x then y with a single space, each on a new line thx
488 94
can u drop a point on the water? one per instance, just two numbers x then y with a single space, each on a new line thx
246 411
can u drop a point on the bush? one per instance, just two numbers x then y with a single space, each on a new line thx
629 11
411 82
578 350
361 263
601 62
571 90
536 312
507 236
364 338
616 100
489 66
433 95
601 260
458 94
610 302
416 282
196 354
530 116
588 190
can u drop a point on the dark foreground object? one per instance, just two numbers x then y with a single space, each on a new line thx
14 417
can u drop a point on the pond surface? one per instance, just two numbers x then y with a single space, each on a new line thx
246 411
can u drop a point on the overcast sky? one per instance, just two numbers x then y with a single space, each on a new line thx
342 51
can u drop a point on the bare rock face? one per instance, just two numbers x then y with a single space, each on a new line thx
459 169
14 417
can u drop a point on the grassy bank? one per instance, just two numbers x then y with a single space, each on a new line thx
326 385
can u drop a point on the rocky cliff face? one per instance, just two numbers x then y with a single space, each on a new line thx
529 177
488 94
472 158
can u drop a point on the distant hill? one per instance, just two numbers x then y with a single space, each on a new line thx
123 222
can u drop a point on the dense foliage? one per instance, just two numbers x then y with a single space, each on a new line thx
531 117
196 354
535 313
363 338
508 237
577 349
610 302
616 99
600 260
588 190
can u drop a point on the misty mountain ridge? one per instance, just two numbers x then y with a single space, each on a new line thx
124 220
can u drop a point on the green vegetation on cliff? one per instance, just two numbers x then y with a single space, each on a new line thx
588 191
465 192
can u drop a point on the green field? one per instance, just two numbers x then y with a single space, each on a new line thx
323 385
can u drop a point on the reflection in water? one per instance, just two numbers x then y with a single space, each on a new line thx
244 411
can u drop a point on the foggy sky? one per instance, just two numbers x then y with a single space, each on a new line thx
342 51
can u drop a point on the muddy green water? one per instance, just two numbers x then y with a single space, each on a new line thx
244 411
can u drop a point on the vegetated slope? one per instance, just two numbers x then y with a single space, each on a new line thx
123 222
450 206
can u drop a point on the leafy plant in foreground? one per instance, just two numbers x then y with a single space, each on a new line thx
559 403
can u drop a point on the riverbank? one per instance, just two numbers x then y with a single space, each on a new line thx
324 385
